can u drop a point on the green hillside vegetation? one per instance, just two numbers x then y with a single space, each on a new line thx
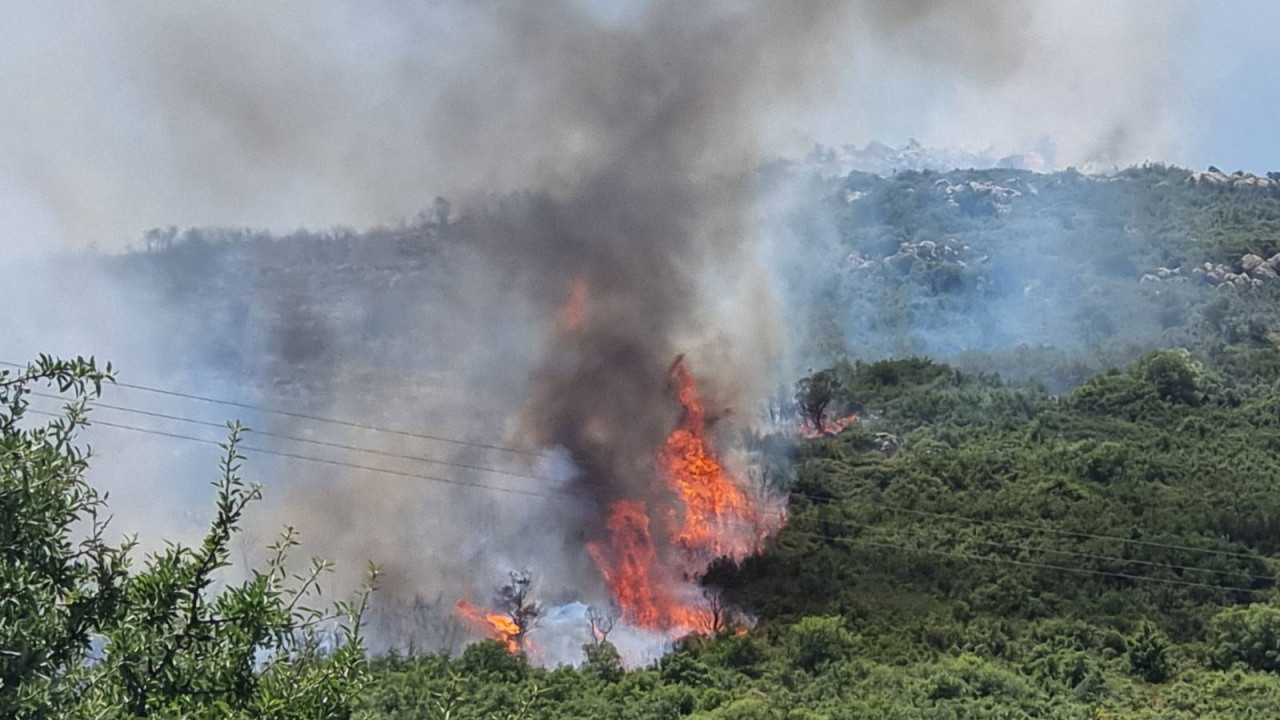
970 549
1059 500
1110 552
1036 276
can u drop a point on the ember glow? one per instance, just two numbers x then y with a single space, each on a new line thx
574 313
495 625
828 428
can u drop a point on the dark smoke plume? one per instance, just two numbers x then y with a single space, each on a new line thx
635 137
659 203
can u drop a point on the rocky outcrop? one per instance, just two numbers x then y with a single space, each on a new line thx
1251 271
886 161
980 195
934 252
886 443
1164 274
1238 179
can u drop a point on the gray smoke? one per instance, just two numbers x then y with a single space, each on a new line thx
133 115
634 137
654 214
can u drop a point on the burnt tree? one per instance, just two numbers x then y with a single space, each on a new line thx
516 600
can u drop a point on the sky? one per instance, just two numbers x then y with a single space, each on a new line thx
116 118
1234 48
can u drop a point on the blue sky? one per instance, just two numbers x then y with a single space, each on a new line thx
1237 80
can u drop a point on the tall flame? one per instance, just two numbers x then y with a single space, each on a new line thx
657 540
707 514
715 507
640 584
629 562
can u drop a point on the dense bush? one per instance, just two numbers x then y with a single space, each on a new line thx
85 635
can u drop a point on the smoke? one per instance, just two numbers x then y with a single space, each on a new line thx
134 115
634 138
652 218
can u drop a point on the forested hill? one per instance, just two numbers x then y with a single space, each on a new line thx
1075 273
973 549
1044 276
1061 498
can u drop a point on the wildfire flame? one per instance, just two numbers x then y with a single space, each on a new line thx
628 564
827 428
495 625
715 507
709 515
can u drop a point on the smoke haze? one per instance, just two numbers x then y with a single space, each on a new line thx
134 115
632 139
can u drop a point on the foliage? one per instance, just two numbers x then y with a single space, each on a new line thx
1149 655
1103 553
84 634
1249 636
1076 517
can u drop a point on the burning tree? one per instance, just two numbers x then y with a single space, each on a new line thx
516 616
601 621
814 395
516 599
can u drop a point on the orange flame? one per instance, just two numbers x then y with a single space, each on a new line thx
828 427
709 515
715 507
495 625
636 579
633 560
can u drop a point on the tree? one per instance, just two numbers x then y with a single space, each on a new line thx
603 660
1149 655
84 635
1172 374
516 600
813 394
601 621
816 641
1249 636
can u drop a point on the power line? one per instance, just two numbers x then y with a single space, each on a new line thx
1093 556
892 508
405 433
307 458
1063 568
316 418
791 532
311 441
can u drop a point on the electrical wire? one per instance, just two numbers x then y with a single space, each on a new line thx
310 441
881 505
315 418
307 458
790 532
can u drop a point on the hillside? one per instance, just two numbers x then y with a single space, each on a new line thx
1058 500
1106 553
1045 276
1101 548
